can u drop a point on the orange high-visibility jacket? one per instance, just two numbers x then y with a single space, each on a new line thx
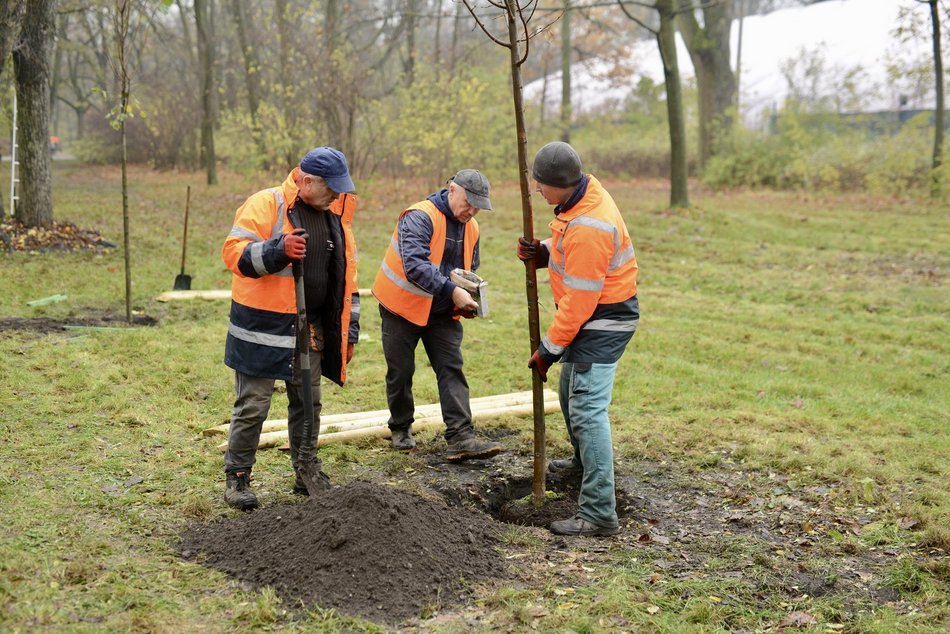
262 332
394 290
593 271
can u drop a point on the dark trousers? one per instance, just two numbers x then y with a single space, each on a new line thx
252 402
442 340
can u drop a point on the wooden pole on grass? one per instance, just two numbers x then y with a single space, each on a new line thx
517 23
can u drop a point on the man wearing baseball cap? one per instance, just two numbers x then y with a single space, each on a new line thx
593 271
417 300
307 218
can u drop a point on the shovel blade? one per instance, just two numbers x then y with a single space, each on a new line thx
182 282
313 478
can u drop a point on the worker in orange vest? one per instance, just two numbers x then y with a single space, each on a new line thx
307 218
593 271
418 301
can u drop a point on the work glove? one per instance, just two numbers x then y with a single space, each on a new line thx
542 366
467 314
295 244
350 348
532 250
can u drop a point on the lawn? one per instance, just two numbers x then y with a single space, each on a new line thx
779 419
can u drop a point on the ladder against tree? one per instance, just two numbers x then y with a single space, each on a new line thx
13 164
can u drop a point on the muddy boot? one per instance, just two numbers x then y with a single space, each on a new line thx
299 487
565 466
472 448
577 525
237 491
402 439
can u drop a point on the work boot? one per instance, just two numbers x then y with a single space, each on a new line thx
577 525
299 487
237 491
402 439
565 466
472 448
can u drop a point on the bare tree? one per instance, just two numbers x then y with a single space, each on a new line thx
937 161
10 16
666 41
566 110
120 22
709 49
31 67
204 28
518 37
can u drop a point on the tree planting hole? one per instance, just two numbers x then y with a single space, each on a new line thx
509 499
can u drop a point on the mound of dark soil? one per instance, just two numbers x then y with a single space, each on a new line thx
365 549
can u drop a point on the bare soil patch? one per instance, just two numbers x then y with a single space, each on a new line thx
47 325
769 539
365 549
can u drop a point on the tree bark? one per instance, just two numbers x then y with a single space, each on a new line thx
666 40
252 72
709 50
204 25
566 110
31 67
10 15
935 180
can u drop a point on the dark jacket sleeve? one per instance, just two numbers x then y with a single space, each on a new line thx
415 234
263 258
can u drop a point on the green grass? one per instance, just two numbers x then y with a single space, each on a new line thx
781 333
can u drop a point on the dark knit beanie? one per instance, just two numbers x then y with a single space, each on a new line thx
558 165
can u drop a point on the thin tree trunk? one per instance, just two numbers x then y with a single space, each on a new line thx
31 69
204 10
566 110
409 67
531 275
935 181
252 73
666 39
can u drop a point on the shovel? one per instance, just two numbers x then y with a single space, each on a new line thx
308 466
182 281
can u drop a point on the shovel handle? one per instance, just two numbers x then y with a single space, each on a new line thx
307 449
184 239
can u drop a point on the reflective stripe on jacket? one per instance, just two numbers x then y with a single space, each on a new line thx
593 271
394 290
262 331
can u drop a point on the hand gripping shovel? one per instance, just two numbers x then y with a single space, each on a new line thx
308 466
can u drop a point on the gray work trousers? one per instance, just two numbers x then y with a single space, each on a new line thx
442 339
251 404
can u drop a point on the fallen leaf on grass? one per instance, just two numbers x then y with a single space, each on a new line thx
798 619
906 523
653 609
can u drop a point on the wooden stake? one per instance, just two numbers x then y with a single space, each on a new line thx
278 438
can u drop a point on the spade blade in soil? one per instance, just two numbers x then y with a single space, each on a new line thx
313 478
182 282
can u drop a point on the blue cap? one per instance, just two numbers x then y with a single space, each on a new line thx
329 164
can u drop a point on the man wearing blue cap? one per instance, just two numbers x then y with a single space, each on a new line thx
307 218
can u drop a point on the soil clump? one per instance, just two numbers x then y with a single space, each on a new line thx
368 550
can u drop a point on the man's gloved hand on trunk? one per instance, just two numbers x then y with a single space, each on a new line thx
532 250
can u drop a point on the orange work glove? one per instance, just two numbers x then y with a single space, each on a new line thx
295 244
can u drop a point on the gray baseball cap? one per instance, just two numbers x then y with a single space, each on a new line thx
476 187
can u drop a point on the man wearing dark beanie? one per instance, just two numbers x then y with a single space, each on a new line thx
593 271
307 218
